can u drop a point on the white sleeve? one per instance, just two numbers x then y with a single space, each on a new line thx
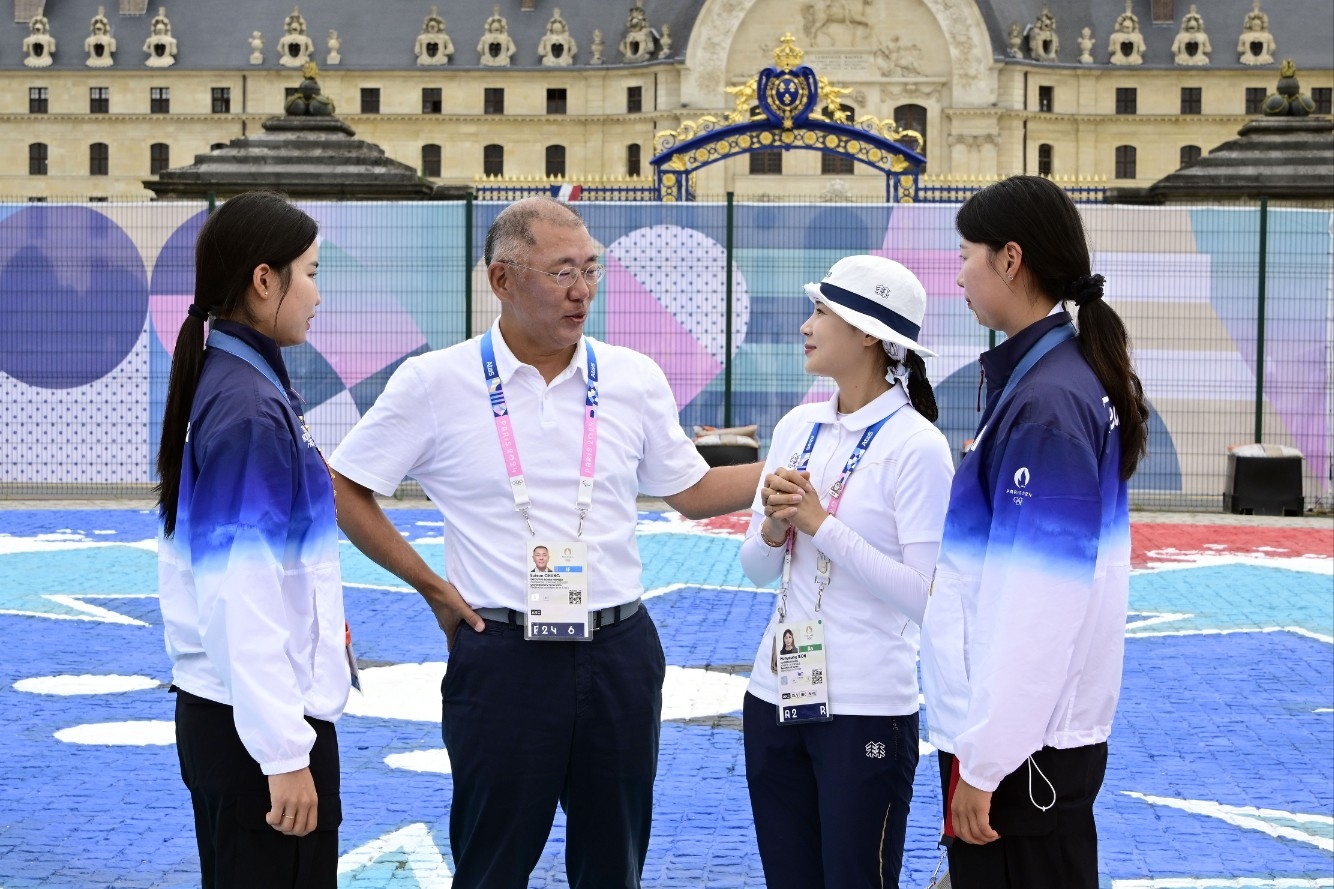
671 462
393 438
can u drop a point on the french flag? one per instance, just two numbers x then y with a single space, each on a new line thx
566 192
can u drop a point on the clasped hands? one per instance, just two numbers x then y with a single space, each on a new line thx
790 501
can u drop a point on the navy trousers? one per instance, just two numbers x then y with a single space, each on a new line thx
1058 847
533 725
237 847
830 799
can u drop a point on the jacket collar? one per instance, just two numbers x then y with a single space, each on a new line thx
266 346
999 363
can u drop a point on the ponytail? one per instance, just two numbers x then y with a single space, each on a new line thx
919 387
252 229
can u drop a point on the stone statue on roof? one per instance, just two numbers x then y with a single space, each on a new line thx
496 45
1191 45
1256 44
598 46
256 48
295 47
39 45
160 45
557 47
1043 44
1086 44
335 53
637 45
1126 45
433 46
100 45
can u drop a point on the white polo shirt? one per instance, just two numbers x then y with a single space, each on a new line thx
434 423
897 496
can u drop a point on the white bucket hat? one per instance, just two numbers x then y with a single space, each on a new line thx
876 295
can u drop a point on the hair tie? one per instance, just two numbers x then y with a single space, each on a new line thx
1085 290
196 312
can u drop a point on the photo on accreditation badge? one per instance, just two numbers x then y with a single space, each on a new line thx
539 561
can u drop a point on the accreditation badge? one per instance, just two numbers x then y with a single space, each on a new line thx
803 686
558 592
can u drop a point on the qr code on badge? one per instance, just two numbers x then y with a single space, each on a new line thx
576 597
817 677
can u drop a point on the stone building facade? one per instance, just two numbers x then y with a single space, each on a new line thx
577 89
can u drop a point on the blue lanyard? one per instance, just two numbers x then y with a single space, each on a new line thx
1050 340
509 447
225 342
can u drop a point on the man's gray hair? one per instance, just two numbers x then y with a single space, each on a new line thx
511 234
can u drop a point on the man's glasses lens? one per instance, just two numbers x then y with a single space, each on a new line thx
568 275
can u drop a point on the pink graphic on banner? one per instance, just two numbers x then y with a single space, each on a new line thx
361 335
168 314
635 318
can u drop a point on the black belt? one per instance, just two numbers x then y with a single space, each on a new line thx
604 618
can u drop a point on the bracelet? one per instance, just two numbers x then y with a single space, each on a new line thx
770 543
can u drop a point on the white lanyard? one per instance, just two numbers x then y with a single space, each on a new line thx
509 448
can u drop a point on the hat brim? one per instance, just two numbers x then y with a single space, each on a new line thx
865 323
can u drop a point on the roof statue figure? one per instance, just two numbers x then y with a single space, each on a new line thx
1191 45
1256 44
637 45
1126 45
160 45
335 53
1086 44
39 45
496 46
433 46
100 45
1043 44
295 48
557 47
256 48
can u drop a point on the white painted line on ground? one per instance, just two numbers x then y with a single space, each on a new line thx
1300 631
1224 883
1252 818
139 733
418 858
85 684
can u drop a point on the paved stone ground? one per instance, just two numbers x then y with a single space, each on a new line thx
1222 768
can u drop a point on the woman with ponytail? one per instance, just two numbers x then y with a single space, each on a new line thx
1024 632
249 582
848 520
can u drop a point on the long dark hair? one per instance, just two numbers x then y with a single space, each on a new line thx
1039 216
252 229
920 393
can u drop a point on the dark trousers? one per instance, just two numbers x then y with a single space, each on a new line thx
533 725
1054 848
237 847
830 799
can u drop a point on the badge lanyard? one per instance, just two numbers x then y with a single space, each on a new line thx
509 448
1050 340
822 563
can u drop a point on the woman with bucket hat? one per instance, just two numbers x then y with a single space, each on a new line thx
848 520
1025 628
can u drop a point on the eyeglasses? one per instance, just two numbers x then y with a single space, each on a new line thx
568 275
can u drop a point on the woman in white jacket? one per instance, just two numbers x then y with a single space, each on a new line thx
848 520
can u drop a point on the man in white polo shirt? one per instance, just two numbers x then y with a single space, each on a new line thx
534 435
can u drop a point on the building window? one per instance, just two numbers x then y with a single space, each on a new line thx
1191 101
159 157
632 154
1127 100
159 100
555 101
37 100
1255 99
766 163
431 101
1322 95
835 164
99 100
911 117
1125 162
634 99
222 100
1044 159
370 100
99 159
1189 154
431 161
493 100
493 160
555 161
37 159
1046 98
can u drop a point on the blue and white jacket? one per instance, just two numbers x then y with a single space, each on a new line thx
1024 631
249 584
